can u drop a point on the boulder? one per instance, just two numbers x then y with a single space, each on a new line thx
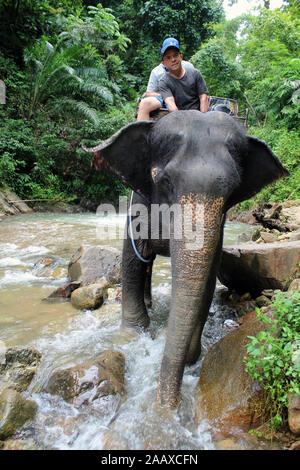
88 265
85 383
90 297
19 367
262 301
253 268
20 444
291 210
294 285
11 204
15 201
268 237
294 413
295 236
62 293
15 410
226 396
7 209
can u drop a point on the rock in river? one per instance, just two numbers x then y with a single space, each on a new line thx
19 367
15 410
85 383
253 268
88 265
90 297
225 392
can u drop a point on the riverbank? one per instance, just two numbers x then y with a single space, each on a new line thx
11 204
285 214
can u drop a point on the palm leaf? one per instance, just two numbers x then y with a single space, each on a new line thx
74 108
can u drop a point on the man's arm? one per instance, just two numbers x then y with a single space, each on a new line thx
170 102
202 91
152 87
151 93
167 93
203 103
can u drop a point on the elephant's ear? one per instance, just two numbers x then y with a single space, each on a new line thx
127 155
260 167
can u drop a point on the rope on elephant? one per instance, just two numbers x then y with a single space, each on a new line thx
131 235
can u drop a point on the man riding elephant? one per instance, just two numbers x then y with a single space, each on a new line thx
152 100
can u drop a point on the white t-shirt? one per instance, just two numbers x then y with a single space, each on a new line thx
159 72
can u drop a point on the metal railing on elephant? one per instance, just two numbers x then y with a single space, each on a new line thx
216 103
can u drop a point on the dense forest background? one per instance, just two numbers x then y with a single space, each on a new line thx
73 70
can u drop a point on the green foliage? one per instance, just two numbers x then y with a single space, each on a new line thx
223 76
271 41
286 145
185 20
256 60
58 84
86 62
43 159
273 356
98 29
148 23
17 88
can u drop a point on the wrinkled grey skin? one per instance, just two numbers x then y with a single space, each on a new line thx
187 158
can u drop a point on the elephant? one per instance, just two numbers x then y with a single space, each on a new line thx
192 160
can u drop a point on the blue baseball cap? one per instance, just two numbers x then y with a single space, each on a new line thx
169 42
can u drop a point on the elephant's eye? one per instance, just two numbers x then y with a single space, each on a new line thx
165 183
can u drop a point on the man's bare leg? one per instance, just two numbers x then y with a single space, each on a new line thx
146 106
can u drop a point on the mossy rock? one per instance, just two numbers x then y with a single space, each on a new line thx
15 410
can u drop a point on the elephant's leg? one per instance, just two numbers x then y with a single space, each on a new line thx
134 275
147 291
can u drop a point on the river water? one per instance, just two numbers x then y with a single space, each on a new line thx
67 337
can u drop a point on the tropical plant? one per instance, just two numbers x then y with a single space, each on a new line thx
223 76
269 50
99 29
59 83
273 356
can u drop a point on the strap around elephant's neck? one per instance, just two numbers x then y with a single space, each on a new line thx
131 234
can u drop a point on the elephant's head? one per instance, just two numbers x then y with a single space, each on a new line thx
196 161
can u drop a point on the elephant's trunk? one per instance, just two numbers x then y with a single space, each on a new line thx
194 267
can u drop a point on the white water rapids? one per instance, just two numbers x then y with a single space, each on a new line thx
67 337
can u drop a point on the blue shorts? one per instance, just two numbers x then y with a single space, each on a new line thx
163 104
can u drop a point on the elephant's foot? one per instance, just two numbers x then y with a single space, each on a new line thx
136 322
167 397
168 394
148 302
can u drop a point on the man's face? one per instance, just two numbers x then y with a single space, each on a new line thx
172 59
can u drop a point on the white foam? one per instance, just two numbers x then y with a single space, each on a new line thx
9 261
33 250
19 277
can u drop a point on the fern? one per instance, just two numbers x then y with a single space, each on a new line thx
60 85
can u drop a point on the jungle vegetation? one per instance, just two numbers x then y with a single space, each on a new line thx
73 69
